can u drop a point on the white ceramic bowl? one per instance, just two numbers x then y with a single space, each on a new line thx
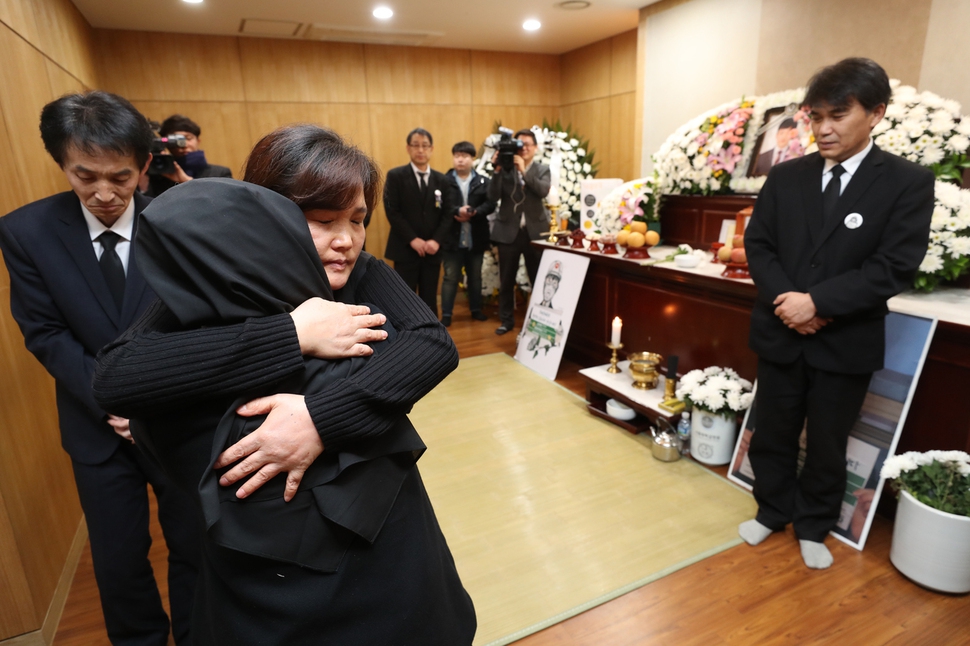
686 261
619 410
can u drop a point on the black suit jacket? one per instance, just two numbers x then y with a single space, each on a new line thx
61 301
849 272
477 199
412 216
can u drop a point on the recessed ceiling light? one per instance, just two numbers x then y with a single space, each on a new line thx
573 5
383 13
192 1
531 25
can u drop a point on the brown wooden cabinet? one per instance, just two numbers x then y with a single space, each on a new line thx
705 321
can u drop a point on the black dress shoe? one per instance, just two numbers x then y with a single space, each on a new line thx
479 316
502 330
446 321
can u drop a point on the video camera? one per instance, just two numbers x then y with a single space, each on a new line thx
162 150
508 147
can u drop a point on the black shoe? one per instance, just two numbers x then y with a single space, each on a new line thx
479 316
446 321
502 330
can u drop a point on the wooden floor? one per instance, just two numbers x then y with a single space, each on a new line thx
745 595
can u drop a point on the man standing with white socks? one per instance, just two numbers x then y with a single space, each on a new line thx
833 236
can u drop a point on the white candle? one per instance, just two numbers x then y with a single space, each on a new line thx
617 326
553 197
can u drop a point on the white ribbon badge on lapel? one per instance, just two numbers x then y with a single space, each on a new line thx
853 221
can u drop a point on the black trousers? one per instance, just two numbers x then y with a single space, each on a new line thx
422 276
114 498
788 396
508 267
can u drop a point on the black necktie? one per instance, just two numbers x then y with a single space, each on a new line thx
111 267
830 196
424 183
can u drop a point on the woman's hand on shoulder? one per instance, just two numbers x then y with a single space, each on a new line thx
286 441
331 330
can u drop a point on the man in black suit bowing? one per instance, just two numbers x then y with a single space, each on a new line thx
74 287
416 204
833 236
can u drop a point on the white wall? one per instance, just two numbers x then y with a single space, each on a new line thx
946 56
697 55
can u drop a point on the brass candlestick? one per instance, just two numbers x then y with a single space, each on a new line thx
670 403
613 369
553 223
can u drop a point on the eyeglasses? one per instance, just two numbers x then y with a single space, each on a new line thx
421 146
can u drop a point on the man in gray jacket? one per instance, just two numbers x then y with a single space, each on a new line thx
521 218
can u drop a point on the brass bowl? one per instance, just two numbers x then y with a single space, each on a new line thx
643 369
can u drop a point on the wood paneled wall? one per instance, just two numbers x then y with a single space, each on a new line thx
238 89
45 50
599 83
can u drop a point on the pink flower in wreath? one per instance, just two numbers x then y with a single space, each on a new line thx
628 211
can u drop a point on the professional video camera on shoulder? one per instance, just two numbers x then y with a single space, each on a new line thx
162 150
508 147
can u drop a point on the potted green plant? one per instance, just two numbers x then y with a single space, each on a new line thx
931 536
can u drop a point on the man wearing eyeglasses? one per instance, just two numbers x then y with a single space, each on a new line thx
521 219
415 199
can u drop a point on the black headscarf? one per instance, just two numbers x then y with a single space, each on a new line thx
219 251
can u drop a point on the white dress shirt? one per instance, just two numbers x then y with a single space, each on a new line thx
850 165
123 227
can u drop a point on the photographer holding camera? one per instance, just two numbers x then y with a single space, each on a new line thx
179 137
521 184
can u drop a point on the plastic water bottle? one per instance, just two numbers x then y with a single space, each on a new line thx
683 432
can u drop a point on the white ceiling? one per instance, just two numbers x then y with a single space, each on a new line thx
487 24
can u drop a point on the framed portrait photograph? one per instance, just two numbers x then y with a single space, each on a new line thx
785 134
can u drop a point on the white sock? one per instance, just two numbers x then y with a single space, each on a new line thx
753 532
815 555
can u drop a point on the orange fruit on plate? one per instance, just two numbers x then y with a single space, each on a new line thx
724 254
638 227
622 237
635 240
652 238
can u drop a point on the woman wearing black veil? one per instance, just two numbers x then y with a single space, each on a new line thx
356 555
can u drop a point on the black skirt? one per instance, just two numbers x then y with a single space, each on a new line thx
402 589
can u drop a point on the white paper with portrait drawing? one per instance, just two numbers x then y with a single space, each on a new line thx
552 306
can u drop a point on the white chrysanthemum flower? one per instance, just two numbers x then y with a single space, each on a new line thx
959 246
913 127
574 142
931 100
932 155
881 127
734 400
942 123
718 381
948 195
895 112
958 143
953 107
963 127
587 168
581 152
931 263
941 216
904 92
